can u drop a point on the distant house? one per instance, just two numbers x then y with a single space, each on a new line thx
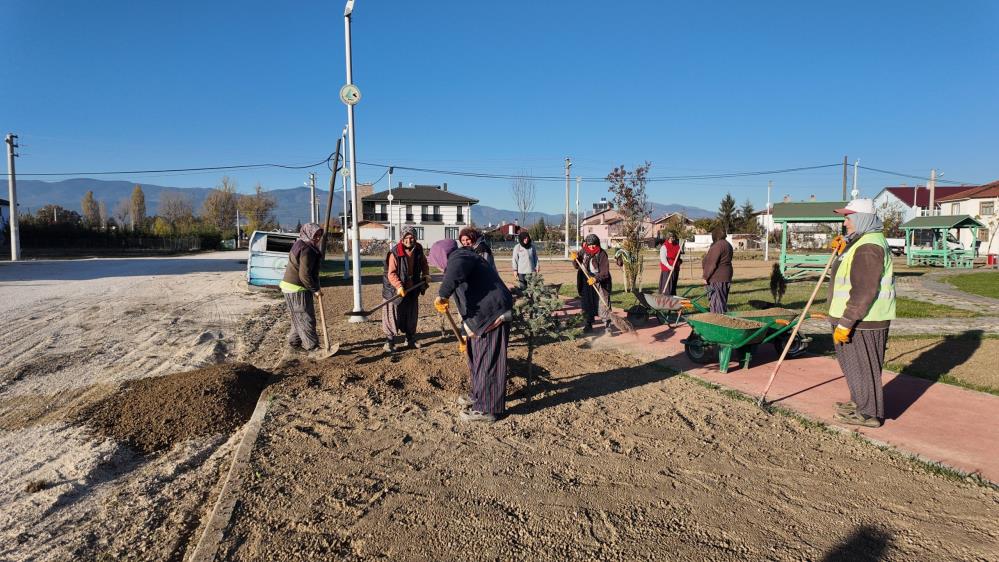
505 231
913 201
432 210
671 221
607 226
981 203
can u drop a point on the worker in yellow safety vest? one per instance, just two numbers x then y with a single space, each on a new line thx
861 308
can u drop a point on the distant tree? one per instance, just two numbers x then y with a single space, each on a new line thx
162 227
102 212
177 210
705 225
727 214
138 208
524 191
539 230
891 217
258 209
219 208
632 204
122 212
91 212
55 214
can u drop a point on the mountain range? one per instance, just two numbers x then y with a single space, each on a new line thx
292 203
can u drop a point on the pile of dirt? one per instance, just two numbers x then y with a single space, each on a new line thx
154 413
725 321
777 311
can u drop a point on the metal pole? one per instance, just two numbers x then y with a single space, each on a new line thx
568 164
15 237
355 250
236 247
343 224
579 180
766 224
933 190
844 177
391 216
855 192
313 208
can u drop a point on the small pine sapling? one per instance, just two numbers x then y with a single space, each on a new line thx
778 284
534 317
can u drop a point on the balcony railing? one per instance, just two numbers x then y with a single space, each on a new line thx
409 217
432 218
376 216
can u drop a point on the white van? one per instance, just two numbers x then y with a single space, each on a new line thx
268 257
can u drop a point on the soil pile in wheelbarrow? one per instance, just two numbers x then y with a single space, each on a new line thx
768 312
725 321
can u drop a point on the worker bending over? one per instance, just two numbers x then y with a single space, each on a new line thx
861 308
405 266
486 309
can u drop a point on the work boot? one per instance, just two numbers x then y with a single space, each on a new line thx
846 407
411 343
588 327
470 415
389 346
856 418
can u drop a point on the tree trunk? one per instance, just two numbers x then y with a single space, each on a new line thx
530 368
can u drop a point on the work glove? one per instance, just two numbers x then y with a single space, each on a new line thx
462 347
442 305
591 281
573 256
841 335
838 244
401 291
426 280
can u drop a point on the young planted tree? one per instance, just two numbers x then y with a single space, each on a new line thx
891 217
727 214
539 230
632 204
524 191
91 213
137 207
534 317
778 284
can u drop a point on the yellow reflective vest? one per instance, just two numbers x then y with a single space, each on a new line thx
883 307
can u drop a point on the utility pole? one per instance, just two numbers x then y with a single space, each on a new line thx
568 164
770 220
579 180
343 224
15 237
237 228
313 206
844 178
391 219
933 189
355 250
855 192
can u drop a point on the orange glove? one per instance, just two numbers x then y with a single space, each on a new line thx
838 244
401 292
462 347
841 335
591 281
573 256
442 305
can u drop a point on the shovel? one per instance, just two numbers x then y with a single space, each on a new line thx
329 351
382 305
619 323
462 342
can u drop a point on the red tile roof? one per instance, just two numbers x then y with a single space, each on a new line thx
921 193
981 192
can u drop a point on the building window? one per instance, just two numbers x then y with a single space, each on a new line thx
986 208
419 232
955 208
451 232
983 234
460 217
409 213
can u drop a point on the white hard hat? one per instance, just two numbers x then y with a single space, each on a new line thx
857 206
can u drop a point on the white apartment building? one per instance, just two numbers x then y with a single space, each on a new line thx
981 203
433 211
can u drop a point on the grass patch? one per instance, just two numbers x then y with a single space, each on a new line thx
911 308
985 284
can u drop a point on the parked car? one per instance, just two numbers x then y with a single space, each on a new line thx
922 239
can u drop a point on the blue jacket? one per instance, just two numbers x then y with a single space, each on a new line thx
480 294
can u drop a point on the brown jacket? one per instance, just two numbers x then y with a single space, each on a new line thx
717 263
865 284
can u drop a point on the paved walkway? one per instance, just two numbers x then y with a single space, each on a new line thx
937 422
932 287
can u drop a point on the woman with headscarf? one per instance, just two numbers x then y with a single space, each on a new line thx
486 309
405 266
861 308
300 282
472 238
669 264
595 261
525 259
717 271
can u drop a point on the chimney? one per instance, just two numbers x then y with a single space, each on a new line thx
445 186
787 199
400 185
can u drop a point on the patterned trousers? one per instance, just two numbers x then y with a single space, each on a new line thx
861 360
302 310
487 366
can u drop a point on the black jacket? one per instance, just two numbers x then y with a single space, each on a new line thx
409 278
303 266
480 294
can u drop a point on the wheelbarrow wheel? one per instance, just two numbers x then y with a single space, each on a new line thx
799 346
698 350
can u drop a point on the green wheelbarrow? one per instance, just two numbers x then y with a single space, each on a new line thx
712 335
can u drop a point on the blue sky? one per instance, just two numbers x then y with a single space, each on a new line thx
508 87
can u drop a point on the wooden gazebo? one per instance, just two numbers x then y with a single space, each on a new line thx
926 241
810 212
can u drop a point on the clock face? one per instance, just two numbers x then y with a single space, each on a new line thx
349 94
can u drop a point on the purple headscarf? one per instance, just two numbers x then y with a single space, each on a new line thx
308 232
440 251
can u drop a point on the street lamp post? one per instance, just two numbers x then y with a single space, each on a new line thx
343 224
355 250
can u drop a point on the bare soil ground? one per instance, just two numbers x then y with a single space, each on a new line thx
969 358
361 455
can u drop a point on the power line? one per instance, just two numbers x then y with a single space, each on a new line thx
201 169
924 178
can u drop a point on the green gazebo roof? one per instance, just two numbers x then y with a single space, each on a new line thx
943 221
809 211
